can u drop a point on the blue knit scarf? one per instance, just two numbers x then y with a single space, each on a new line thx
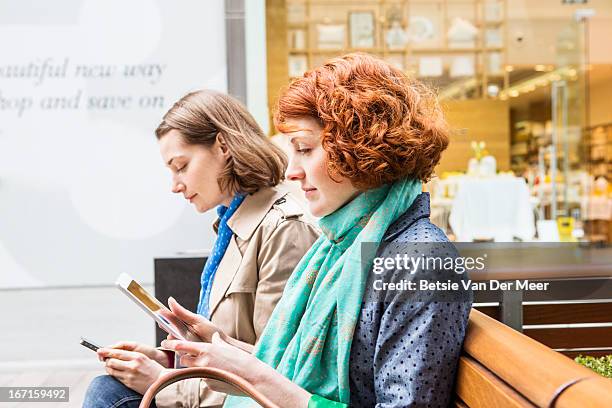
212 263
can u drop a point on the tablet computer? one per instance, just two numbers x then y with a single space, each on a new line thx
153 307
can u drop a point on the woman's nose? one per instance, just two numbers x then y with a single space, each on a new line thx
178 187
294 172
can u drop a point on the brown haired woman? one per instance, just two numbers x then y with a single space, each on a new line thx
219 158
364 138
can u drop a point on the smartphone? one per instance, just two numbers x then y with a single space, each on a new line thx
153 307
86 343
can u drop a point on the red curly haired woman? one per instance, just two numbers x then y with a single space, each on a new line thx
364 137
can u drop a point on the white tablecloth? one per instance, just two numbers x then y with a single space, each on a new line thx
496 207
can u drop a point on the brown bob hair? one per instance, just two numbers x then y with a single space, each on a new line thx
379 125
254 161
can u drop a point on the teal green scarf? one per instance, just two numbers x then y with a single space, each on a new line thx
308 337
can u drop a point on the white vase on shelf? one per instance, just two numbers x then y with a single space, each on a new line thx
488 166
473 167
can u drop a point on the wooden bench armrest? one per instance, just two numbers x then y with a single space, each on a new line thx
203 372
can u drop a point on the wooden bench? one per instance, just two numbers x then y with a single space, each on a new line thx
499 367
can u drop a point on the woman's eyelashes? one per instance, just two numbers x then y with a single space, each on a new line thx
181 169
301 149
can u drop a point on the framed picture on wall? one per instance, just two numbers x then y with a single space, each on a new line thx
493 38
495 63
298 64
330 36
362 29
297 39
296 13
426 25
493 11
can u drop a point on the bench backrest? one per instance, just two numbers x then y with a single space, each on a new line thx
554 324
501 367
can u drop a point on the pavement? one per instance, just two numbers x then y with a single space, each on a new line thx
39 343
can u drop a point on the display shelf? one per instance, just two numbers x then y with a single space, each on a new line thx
597 146
400 51
434 39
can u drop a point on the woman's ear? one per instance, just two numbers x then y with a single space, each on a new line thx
222 145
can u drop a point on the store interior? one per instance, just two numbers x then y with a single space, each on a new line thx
525 87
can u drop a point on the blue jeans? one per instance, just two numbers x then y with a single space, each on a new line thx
107 392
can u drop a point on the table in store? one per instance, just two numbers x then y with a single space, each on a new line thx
497 208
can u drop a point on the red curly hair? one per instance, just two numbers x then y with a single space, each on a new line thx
379 125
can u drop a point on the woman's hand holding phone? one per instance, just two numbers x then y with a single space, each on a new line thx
134 369
150 352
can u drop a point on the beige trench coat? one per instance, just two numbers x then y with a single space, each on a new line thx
271 234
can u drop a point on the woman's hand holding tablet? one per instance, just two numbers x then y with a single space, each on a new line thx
199 328
166 320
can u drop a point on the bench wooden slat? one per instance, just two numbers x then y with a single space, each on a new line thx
531 368
559 313
479 388
568 313
491 311
567 337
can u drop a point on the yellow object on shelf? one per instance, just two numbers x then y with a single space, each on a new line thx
448 174
566 226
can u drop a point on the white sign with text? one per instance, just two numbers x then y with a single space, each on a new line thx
84 194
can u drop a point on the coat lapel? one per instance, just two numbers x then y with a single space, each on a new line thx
228 267
243 223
